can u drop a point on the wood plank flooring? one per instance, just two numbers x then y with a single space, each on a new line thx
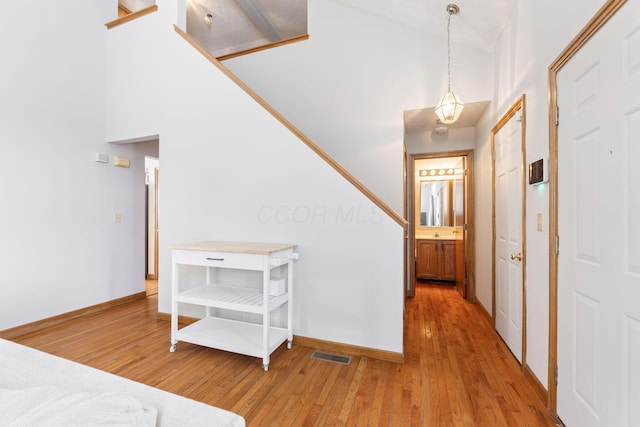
457 372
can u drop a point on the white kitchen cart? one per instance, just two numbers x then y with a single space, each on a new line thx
252 339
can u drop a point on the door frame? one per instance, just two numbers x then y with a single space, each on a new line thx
156 256
152 251
519 105
469 208
598 21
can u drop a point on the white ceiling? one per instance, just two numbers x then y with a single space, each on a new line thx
425 119
241 25
478 24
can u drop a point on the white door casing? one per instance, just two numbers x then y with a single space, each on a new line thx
508 235
599 228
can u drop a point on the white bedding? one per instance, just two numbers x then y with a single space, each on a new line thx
39 389
58 406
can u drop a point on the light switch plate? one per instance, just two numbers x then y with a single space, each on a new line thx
122 162
539 218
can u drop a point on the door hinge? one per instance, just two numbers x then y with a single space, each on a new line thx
555 375
557 115
557 245
464 227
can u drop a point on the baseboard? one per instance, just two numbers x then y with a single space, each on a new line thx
352 350
485 313
38 325
540 390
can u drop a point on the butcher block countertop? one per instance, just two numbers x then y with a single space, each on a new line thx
237 247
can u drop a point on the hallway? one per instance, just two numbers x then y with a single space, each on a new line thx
468 376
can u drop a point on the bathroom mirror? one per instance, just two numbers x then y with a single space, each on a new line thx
436 209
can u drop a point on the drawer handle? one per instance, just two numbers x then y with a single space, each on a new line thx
215 259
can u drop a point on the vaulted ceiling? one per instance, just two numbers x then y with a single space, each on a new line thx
241 22
478 24
244 24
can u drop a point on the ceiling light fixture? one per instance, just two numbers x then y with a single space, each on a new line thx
441 129
450 105
207 18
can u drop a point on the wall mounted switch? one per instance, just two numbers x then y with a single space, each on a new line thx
117 218
122 162
539 218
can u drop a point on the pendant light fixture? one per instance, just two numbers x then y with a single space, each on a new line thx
450 106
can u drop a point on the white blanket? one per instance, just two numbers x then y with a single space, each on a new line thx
32 374
58 407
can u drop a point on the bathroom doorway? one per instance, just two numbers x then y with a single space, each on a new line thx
440 215
152 169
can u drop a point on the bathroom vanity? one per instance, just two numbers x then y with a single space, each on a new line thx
436 259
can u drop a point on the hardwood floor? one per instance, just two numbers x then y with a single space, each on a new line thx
457 370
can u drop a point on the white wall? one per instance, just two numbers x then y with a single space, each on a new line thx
347 86
59 247
535 36
429 142
230 171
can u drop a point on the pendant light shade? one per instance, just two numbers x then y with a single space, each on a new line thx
450 106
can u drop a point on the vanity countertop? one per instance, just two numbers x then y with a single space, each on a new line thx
440 237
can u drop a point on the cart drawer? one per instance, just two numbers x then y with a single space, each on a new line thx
219 259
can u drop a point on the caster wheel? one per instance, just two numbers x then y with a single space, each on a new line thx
172 348
289 345
266 367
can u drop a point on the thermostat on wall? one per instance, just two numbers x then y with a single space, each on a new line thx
538 172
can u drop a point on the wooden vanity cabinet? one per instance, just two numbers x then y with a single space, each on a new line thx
436 259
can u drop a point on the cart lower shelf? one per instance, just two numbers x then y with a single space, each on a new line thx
231 335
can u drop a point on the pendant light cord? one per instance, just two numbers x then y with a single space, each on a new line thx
449 52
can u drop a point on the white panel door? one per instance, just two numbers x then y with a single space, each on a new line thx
599 228
508 268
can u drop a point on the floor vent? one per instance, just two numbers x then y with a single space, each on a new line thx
336 358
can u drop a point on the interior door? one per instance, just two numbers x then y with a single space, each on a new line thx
156 210
461 206
508 234
599 228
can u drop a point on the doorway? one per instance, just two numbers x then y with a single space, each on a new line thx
152 169
594 266
440 215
